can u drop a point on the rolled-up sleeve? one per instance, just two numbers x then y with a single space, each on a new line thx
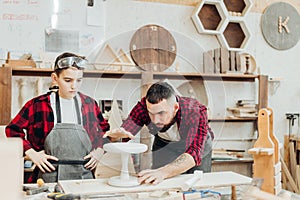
137 118
197 130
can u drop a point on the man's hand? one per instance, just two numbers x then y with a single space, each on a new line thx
179 165
95 156
40 159
118 133
152 176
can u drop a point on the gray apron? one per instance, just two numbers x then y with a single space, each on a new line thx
165 152
69 143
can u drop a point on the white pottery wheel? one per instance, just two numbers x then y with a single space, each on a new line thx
125 149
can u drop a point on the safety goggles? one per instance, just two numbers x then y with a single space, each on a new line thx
72 61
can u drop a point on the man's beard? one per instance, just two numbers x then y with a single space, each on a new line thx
166 127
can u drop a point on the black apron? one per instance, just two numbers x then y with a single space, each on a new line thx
165 152
69 143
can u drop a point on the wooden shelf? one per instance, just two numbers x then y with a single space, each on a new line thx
8 72
137 75
238 160
230 119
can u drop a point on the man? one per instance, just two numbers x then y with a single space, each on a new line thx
63 129
182 136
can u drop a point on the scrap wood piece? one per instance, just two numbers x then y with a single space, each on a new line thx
260 195
289 176
233 61
286 153
217 54
208 62
224 57
124 57
261 151
298 176
24 61
273 137
293 162
107 57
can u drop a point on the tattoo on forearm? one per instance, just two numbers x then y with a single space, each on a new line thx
181 159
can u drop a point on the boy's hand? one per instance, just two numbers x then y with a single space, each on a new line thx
117 134
95 157
40 159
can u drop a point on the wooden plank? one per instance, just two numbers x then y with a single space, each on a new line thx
5 90
232 58
217 57
298 176
273 137
224 60
146 82
238 62
256 193
100 186
289 176
145 158
208 62
263 91
293 161
264 164
286 154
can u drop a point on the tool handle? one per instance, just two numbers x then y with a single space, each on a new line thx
37 190
67 197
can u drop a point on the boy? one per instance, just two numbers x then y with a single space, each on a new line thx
64 129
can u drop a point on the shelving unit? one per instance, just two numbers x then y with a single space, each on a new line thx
6 74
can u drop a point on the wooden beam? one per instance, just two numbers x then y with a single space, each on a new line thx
178 2
5 90
263 91
259 6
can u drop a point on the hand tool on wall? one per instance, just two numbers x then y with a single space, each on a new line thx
291 117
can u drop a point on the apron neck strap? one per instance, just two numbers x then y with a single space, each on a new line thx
58 109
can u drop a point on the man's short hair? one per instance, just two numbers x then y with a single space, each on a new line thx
159 91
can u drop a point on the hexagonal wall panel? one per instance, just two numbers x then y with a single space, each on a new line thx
235 35
209 16
238 8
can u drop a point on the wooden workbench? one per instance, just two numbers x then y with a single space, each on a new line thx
209 180
100 186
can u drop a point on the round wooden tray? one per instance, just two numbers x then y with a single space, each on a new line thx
153 48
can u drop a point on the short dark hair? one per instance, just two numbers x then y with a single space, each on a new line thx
159 91
57 70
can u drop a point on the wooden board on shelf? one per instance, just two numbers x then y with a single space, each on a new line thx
222 61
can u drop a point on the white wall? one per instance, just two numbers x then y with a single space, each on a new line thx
126 16
129 15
